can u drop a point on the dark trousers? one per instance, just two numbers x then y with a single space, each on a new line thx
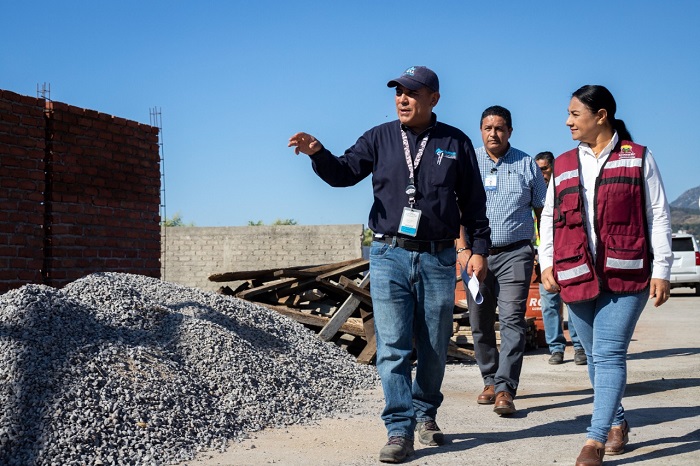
506 286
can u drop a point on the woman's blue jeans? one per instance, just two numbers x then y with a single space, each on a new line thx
413 301
553 331
605 327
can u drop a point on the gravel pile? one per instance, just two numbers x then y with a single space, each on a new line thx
119 369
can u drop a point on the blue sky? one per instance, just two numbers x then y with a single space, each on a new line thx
235 79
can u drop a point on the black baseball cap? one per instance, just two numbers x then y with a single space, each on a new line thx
416 77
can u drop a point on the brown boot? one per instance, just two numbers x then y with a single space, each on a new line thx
618 436
591 455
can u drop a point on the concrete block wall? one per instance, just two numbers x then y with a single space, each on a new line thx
79 193
192 254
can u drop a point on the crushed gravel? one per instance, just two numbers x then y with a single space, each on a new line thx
120 369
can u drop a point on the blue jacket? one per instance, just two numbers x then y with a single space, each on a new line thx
447 180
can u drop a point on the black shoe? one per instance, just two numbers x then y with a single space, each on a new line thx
557 358
580 357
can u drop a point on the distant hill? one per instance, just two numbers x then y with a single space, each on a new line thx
685 213
688 200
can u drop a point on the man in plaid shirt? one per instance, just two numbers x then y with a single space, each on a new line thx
514 189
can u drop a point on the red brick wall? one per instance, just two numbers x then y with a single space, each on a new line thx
79 193
22 143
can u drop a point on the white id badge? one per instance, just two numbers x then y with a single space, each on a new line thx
409 221
491 182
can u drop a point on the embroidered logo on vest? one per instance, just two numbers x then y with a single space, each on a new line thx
626 152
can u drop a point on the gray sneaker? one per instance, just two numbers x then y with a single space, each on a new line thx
557 358
396 450
580 358
429 433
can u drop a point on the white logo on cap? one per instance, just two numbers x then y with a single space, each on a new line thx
410 71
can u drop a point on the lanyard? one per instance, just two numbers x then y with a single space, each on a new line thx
412 165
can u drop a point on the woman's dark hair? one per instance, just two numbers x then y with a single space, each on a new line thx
596 97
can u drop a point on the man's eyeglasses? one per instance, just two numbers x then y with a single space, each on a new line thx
545 168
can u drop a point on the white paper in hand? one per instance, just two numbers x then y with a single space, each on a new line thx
474 289
471 284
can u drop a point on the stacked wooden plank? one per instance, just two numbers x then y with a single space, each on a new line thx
331 299
334 301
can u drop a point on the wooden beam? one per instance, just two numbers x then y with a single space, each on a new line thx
296 286
367 322
264 274
266 288
348 270
315 320
369 352
360 291
315 270
343 312
460 353
270 274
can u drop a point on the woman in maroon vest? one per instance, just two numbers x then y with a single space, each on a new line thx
606 247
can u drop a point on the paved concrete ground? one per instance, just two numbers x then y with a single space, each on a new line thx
554 406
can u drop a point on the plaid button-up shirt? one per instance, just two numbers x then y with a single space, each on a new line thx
514 187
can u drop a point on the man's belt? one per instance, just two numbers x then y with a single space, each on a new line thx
417 245
508 247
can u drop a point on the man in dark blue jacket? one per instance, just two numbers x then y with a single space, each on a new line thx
426 184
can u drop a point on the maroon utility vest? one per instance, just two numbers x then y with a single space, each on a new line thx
622 262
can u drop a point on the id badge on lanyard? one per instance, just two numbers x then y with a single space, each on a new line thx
409 221
411 217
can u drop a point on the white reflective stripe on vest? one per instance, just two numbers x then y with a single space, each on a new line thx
566 176
573 273
613 263
624 163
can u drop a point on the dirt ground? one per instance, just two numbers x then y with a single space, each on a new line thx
554 406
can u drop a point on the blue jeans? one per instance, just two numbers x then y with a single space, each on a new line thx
553 332
413 299
605 327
